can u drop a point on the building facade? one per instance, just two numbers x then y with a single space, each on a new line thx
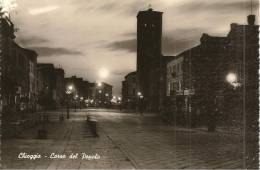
60 87
174 89
7 83
18 79
100 94
18 72
242 94
129 91
31 72
47 93
205 75
78 85
175 76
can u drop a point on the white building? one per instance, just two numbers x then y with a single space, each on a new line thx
175 76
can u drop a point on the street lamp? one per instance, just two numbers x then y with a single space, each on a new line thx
107 100
99 84
232 79
76 98
70 87
80 102
68 92
98 93
140 100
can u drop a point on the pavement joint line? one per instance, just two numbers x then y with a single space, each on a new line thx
225 164
133 162
68 136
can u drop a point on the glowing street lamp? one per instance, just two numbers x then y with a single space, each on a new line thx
70 87
69 90
75 102
140 104
99 84
232 79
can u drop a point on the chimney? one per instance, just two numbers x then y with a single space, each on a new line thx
251 19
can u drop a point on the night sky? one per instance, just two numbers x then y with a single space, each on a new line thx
86 36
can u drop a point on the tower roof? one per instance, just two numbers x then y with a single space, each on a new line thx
148 12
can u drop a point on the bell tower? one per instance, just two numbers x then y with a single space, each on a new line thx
149 35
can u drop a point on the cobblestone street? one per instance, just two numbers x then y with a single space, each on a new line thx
126 141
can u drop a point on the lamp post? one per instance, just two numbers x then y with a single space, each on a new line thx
68 92
76 98
119 101
140 103
99 92
233 95
107 100
80 102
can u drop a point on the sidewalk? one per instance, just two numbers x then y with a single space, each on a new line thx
12 128
64 138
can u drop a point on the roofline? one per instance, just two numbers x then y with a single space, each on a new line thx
25 49
181 53
134 72
152 11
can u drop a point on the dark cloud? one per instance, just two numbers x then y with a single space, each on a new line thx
174 42
122 72
31 40
124 7
128 45
51 51
172 46
217 6
130 34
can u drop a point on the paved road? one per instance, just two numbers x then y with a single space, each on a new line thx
153 145
126 141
